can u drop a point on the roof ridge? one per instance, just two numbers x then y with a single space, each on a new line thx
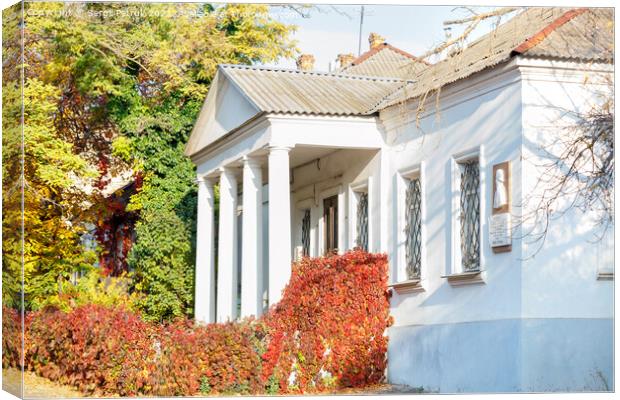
541 35
406 54
427 80
385 45
321 73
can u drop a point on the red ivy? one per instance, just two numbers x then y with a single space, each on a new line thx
115 229
329 328
327 332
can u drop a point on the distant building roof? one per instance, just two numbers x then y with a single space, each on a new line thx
583 34
278 90
386 60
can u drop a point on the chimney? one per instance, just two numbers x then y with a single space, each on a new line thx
374 39
305 62
345 59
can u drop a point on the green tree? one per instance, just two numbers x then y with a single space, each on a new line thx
164 253
53 192
119 87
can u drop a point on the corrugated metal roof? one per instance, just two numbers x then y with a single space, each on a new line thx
584 34
588 36
536 31
308 92
386 60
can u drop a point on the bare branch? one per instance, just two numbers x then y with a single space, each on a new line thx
479 17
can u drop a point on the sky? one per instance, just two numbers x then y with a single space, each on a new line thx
331 30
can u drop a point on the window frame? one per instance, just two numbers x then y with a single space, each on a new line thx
355 189
301 206
403 177
456 266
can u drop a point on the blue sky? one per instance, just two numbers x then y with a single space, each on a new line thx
412 28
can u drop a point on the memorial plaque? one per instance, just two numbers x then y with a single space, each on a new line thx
500 229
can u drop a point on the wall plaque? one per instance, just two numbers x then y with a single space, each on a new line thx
500 229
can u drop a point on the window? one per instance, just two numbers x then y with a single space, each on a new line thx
360 215
305 233
469 214
330 224
362 221
409 219
413 228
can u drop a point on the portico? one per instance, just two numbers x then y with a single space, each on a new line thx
255 186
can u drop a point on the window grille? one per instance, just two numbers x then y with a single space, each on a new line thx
413 229
305 233
470 215
362 221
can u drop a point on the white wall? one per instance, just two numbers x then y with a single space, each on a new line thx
487 117
456 338
571 256
567 311
538 324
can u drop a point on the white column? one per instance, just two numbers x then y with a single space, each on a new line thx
227 249
252 239
204 303
279 222
385 185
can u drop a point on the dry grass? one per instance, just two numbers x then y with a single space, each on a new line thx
35 386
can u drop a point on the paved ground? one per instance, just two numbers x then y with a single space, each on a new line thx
383 389
35 386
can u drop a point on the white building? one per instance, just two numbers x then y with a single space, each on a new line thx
309 162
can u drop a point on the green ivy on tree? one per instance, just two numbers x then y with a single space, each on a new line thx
163 255
108 87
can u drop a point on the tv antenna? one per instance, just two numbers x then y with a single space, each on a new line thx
359 42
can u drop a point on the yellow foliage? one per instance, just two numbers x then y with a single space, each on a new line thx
95 288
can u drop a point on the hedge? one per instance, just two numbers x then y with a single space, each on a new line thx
328 329
327 332
11 337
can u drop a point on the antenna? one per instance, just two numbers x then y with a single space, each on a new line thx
359 42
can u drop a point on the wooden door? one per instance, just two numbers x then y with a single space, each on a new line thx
330 224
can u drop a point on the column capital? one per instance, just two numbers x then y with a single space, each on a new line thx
204 180
280 148
226 170
250 161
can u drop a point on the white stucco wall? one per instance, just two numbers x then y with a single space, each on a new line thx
536 324
461 338
567 312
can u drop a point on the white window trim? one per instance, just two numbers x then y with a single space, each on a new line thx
411 172
455 268
364 186
325 193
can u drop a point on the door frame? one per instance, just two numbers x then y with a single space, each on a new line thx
337 190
